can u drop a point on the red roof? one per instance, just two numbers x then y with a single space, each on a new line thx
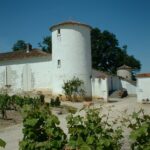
143 75
22 54
70 23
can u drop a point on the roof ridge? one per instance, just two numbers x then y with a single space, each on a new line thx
70 22
15 55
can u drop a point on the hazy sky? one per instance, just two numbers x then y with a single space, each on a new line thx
29 20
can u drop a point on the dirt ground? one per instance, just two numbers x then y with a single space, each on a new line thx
13 134
13 118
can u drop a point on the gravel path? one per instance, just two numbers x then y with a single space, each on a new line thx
12 135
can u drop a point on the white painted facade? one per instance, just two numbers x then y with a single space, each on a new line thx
129 86
27 74
117 83
143 90
71 56
100 88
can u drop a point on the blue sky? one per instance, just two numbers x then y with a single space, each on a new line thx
29 20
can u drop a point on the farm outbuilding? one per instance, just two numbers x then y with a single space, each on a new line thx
35 70
99 85
124 71
143 89
22 71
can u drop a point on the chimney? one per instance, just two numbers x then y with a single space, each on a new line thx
28 47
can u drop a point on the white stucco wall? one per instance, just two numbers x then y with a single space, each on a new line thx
143 90
2 76
73 48
13 77
116 83
130 87
27 74
100 88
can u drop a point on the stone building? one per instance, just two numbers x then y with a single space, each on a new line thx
125 72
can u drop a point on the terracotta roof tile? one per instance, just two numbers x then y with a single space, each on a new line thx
143 75
22 55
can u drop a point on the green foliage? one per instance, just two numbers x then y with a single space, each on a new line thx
19 45
15 102
41 131
2 143
106 53
21 101
55 102
139 122
74 89
93 132
42 98
4 104
46 45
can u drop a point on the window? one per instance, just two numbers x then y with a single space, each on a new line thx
58 63
58 32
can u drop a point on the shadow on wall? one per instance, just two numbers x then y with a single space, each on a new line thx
116 83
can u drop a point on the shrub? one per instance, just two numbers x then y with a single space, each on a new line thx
55 102
15 102
139 122
21 101
73 89
2 143
4 104
42 98
93 132
41 131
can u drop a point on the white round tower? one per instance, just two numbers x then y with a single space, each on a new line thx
71 55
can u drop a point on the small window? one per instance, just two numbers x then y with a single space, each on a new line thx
58 32
58 63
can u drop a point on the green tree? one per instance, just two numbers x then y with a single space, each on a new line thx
106 53
19 45
46 45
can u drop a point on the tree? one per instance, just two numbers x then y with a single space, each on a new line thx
46 45
19 45
106 53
